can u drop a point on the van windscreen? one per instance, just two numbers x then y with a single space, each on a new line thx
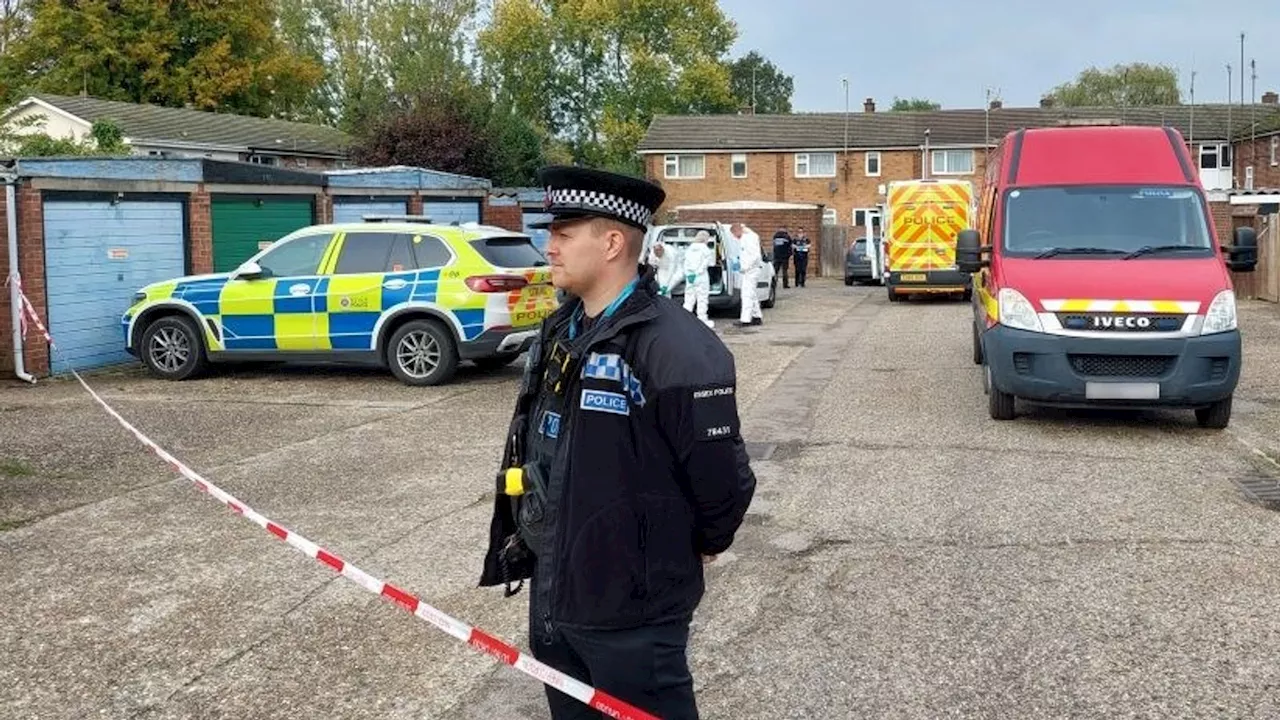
1105 221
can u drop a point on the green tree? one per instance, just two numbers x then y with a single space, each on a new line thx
378 54
13 22
1121 85
757 82
208 55
594 72
913 104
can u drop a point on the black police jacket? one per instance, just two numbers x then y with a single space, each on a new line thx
641 487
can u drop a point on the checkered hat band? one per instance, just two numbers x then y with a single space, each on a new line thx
593 200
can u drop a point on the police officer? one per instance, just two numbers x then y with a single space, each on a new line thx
624 470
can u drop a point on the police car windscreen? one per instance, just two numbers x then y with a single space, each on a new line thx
510 252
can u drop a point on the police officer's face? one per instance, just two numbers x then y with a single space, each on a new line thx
579 251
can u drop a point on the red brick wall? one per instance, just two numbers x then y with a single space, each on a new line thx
765 223
200 232
31 266
415 204
6 328
771 177
509 217
1257 153
324 208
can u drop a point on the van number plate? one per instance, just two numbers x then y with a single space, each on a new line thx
921 277
1122 391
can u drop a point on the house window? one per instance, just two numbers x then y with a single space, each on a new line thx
264 160
952 162
815 165
830 216
1215 157
873 163
739 165
300 162
1275 150
685 166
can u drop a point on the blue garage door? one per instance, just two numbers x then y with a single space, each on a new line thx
539 236
97 255
447 212
354 212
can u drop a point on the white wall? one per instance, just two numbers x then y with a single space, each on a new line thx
51 123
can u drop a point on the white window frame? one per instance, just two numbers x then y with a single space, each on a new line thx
830 216
868 213
671 166
734 159
804 159
1275 150
866 163
945 153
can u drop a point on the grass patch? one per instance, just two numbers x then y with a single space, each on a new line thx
15 468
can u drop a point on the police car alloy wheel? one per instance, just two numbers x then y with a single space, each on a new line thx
422 352
172 349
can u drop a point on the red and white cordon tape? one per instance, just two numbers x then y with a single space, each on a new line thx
477 638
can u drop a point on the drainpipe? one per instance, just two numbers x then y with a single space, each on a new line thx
15 300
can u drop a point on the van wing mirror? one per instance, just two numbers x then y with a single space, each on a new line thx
1243 255
969 252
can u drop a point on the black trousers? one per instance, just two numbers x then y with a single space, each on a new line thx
780 270
647 667
802 268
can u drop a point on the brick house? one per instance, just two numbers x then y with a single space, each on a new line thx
843 162
157 131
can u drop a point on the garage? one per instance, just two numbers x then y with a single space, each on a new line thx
245 224
447 212
353 211
98 252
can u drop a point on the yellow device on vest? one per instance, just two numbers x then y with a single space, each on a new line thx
515 481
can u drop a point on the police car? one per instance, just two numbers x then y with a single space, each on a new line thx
398 292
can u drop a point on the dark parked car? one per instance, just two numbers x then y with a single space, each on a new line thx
857 265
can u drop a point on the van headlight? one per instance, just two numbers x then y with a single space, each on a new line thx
1221 316
1016 311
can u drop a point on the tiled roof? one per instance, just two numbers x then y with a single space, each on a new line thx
906 129
164 124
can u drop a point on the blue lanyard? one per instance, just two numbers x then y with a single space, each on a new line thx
613 306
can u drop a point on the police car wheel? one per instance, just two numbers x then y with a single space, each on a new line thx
172 348
422 352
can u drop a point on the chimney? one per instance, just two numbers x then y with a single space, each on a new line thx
869 105
746 110
1046 101
1270 98
996 104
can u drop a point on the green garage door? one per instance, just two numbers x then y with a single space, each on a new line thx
243 225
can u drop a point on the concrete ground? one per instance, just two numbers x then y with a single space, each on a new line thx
905 557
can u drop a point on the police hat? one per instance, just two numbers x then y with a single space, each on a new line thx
578 192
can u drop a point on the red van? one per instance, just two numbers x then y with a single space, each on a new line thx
1098 277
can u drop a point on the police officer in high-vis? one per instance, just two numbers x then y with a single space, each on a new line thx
624 470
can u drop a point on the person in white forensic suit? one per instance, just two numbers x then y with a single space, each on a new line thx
751 261
697 283
665 258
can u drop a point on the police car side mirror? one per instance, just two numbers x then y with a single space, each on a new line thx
248 271
1243 255
969 252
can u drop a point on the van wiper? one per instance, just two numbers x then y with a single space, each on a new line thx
1077 251
1152 249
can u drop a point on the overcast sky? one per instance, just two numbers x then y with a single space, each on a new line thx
950 52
